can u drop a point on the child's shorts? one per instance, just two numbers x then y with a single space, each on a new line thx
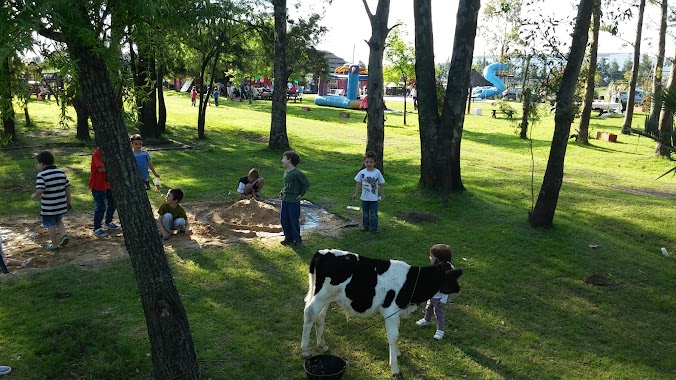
51 220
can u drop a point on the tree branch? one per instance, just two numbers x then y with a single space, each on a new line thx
51 34
368 11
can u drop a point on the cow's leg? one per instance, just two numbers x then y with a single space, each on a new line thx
392 327
319 328
310 314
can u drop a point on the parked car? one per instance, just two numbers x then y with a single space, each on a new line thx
511 93
622 98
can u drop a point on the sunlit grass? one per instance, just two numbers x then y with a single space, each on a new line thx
524 311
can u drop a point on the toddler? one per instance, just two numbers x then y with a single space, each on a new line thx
440 254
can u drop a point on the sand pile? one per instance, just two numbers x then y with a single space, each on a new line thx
247 214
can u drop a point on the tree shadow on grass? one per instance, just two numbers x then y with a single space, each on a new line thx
502 140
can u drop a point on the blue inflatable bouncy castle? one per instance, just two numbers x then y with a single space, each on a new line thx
350 100
498 84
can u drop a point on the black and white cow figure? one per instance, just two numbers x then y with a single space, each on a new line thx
362 286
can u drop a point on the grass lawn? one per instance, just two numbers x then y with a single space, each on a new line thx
524 310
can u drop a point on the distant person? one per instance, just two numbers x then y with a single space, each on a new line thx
296 185
370 189
216 95
103 196
53 189
440 254
143 160
172 217
193 96
364 104
250 185
414 95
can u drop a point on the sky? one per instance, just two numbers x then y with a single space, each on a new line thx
349 27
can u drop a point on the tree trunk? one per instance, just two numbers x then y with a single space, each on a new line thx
172 348
162 108
6 105
658 88
82 115
26 116
433 162
147 79
543 213
583 131
278 136
453 115
375 130
629 113
666 118
527 103
440 136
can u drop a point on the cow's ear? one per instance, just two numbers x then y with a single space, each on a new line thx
455 272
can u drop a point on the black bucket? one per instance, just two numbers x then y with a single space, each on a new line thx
324 367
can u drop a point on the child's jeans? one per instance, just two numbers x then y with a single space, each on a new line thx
290 220
170 223
104 204
435 306
369 216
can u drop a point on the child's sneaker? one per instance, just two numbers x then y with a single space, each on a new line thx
52 247
112 226
64 240
439 334
423 322
100 233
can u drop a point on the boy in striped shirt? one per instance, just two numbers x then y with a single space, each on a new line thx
53 189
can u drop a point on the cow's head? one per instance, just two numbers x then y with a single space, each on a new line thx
449 284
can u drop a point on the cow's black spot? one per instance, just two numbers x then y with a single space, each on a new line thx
389 297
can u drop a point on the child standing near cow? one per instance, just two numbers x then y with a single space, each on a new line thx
370 183
440 254
296 185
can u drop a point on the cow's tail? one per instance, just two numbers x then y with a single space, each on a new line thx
311 279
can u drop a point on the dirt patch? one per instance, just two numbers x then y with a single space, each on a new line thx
418 217
213 224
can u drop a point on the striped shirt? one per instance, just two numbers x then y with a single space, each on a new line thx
54 182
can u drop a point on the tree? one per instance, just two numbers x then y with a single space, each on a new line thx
542 214
502 24
401 56
666 122
6 96
375 130
278 136
583 131
441 134
628 115
78 24
658 88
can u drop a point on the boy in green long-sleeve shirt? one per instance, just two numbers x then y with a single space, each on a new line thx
296 185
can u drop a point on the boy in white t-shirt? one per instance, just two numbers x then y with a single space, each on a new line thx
370 183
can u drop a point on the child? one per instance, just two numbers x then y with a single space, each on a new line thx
5 262
296 185
251 185
370 183
193 95
103 197
143 160
53 189
217 93
440 254
172 216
